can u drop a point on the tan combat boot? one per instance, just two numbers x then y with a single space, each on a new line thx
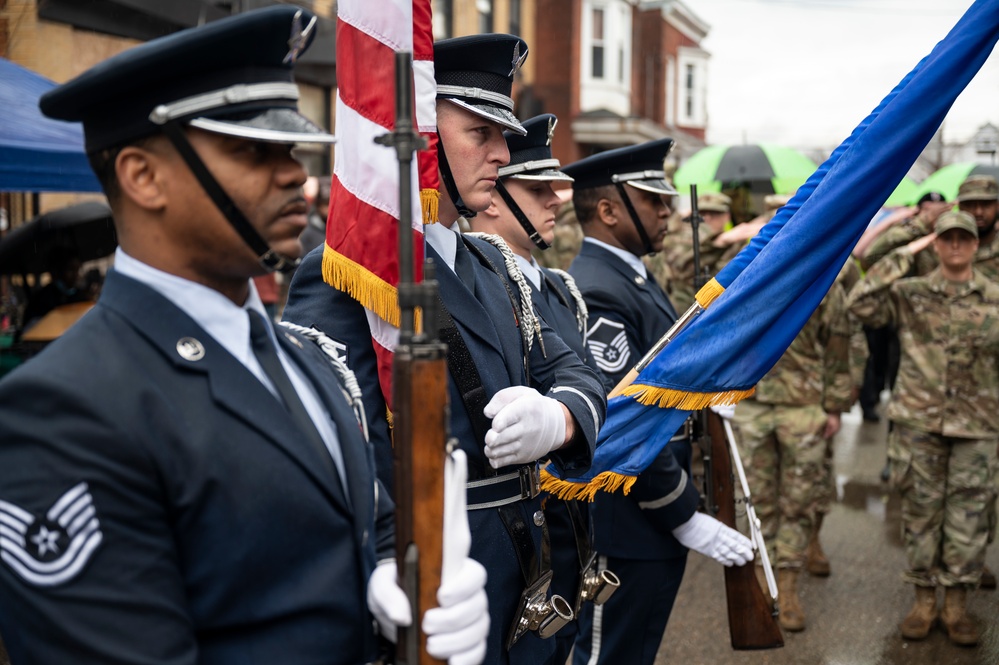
817 564
917 624
792 616
961 628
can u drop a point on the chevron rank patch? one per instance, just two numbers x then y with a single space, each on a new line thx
51 549
608 345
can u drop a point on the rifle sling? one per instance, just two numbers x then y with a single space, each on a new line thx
580 532
466 377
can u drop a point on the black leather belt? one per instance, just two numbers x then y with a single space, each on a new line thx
495 491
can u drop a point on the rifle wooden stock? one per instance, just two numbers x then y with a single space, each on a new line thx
419 399
419 402
752 619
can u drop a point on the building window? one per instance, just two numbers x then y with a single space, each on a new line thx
623 39
443 18
597 44
691 91
485 9
671 91
515 17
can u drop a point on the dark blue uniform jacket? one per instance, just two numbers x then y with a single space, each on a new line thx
488 326
204 528
627 315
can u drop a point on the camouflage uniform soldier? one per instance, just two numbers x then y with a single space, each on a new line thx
678 248
784 430
976 196
816 562
945 407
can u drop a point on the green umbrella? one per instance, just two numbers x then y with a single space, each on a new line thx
949 178
764 168
904 195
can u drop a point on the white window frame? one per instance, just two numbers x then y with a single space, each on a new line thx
692 106
612 91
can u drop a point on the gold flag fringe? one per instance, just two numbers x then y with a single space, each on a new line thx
361 284
668 398
430 204
707 293
608 481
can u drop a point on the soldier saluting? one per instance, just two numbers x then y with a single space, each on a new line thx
945 407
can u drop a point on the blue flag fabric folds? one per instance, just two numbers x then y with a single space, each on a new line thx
768 292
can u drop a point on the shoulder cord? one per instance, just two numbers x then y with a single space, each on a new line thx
529 320
582 314
344 373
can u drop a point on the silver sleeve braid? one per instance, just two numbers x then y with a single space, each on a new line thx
528 319
347 379
581 312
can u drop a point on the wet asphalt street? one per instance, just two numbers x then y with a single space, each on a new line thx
853 615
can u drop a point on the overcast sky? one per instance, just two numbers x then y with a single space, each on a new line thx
804 73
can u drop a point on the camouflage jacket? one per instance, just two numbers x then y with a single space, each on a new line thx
948 376
678 254
849 275
895 237
986 259
815 369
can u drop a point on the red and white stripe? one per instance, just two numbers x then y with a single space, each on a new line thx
364 196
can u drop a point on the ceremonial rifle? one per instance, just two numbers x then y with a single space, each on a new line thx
419 401
752 618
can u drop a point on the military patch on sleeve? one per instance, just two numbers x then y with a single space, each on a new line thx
50 550
608 345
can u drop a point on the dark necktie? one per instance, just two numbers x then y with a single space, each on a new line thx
463 264
266 353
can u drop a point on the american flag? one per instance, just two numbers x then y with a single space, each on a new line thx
360 256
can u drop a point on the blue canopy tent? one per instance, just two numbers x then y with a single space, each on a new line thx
38 154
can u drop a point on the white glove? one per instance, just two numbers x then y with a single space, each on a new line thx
457 630
526 426
703 533
388 602
726 411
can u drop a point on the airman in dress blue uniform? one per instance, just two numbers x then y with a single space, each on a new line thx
621 201
518 393
520 219
180 482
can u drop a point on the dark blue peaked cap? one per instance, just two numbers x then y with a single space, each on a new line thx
476 73
531 154
232 76
640 166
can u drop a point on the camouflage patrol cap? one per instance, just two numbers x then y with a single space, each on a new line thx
956 219
776 201
978 188
714 202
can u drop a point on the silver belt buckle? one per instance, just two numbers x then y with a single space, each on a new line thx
530 481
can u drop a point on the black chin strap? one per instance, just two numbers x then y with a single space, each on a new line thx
635 218
268 258
452 188
525 223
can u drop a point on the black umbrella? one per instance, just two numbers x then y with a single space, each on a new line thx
86 229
